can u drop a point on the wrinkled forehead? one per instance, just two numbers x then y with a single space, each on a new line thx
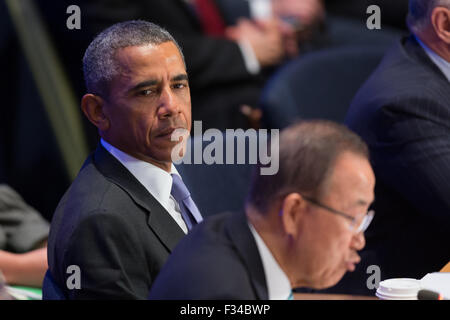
149 55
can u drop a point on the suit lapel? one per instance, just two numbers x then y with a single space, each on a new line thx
159 219
415 51
240 234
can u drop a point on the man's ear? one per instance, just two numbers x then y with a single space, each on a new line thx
440 19
292 211
93 108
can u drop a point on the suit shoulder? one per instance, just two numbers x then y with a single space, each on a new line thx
405 82
209 259
405 72
90 195
92 191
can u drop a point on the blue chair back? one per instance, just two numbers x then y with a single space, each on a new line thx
217 188
318 85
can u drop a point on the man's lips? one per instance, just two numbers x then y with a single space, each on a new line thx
352 262
167 133
351 266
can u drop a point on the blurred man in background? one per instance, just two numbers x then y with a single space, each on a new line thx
403 113
298 20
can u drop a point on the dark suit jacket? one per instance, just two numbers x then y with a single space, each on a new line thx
219 259
403 113
113 229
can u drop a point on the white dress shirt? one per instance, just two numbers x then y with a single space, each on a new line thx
278 285
157 181
259 9
440 62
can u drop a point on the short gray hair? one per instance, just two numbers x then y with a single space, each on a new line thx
308 152
99 63
420 13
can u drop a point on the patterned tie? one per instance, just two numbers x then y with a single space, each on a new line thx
189 211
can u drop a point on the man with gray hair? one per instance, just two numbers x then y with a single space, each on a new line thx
403 113
128 207
301 227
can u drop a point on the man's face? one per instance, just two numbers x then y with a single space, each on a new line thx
329 248
147 102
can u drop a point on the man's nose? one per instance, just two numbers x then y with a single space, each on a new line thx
168 105
358 241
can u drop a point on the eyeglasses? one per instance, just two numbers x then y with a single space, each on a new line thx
354 225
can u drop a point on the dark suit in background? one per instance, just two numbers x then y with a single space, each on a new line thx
403 113
220 260
113 229
234 9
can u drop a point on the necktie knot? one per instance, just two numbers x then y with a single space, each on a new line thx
179 190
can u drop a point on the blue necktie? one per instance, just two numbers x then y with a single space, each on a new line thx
189 211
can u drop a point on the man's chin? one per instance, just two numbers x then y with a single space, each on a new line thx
329 281
159 159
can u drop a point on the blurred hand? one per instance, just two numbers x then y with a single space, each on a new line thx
264 36
298 19
307 12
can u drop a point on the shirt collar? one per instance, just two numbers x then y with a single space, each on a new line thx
157 181
278 285
260 9
440 62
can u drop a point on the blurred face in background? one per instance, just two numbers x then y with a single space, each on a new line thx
327 248
147 102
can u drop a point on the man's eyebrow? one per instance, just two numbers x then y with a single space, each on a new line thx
143 84
361 202
180 77
149 83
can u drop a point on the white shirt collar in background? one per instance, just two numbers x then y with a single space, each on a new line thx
260 9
